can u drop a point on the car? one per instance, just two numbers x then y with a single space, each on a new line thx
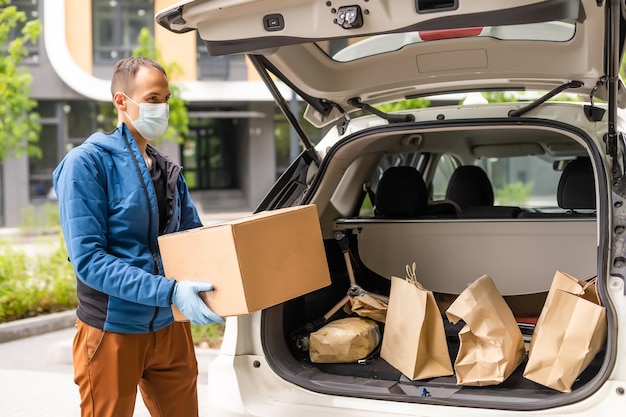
512 116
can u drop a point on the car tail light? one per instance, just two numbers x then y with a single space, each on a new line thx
433 35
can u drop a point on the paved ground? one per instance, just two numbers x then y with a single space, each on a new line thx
36 377
35 357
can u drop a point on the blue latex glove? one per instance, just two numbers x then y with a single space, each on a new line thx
186 298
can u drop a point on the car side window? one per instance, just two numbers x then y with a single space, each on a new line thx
445 166
525 181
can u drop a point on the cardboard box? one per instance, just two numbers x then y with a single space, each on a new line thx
254 262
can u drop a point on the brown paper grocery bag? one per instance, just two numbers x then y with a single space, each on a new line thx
368 306
492 345
344 341
570 331
414 340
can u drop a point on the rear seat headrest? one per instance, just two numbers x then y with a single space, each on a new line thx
577 187
470 186
401 192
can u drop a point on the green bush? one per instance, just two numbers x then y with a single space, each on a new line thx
209 336
514 194
35 285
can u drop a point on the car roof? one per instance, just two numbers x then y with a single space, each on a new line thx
388 50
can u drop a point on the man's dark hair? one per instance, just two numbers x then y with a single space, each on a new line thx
125 70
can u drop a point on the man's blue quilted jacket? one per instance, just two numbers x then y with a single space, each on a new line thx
110 220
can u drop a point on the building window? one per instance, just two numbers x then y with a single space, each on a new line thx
64 125
40 169
31 9
80 121
219 68
209 154
287 144
116 27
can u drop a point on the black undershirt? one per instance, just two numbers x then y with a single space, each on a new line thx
158 179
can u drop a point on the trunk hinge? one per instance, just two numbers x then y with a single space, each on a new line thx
282 104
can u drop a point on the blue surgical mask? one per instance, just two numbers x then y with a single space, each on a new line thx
153 119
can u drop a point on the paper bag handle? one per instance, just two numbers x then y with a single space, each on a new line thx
587 283
411 276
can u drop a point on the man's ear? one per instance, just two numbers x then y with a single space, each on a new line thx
119 101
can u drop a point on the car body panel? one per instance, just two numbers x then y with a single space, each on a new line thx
260 382
419 68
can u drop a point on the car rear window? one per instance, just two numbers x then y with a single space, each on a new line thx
345 50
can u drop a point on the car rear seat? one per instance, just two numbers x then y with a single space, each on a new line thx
576 191
402 194
471 189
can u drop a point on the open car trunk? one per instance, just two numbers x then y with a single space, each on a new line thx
521 254
346 65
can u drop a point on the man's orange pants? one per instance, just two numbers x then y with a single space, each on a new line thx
108 368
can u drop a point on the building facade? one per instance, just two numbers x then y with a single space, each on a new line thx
229 155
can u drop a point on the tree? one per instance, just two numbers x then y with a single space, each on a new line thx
19 124
179 121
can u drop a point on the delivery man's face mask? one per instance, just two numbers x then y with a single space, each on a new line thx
153 119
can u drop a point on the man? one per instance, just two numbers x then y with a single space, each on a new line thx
117 193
